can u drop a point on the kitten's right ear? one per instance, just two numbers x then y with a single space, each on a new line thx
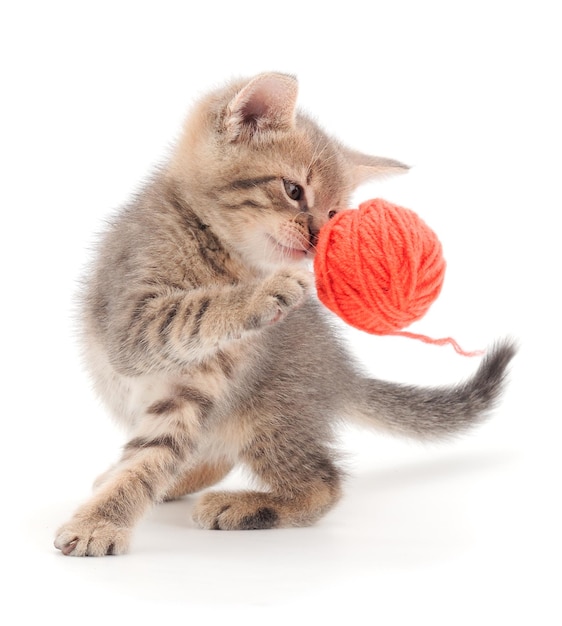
267 102
367 167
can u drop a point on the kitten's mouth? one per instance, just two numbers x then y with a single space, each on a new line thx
295 252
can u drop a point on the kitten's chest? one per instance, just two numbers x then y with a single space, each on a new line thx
129 398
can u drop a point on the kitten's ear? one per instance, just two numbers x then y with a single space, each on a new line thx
267 102
366 167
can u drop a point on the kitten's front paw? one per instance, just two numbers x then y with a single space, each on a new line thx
84 536
278 294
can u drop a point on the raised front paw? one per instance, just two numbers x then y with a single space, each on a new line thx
278 294
89 536
225 510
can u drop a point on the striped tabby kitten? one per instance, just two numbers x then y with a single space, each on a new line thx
204 340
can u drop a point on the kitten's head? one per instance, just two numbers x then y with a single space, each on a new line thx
265 177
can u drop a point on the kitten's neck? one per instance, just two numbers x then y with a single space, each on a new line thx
218 252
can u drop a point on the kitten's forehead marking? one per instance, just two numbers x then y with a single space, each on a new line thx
248 183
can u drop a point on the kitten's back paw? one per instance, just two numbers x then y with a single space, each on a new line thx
225 510
91 537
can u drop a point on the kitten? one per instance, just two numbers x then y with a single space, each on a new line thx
204 340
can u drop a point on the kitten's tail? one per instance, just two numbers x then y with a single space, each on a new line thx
433 412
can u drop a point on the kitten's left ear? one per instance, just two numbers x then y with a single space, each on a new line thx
267 102
366 167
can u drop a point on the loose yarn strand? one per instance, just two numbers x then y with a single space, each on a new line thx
438 342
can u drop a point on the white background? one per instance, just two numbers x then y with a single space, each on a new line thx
462 532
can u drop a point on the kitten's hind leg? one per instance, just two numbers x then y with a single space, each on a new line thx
298 497
198 478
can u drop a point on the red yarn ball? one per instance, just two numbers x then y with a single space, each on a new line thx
379 267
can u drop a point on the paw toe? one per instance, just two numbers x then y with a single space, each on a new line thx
91 538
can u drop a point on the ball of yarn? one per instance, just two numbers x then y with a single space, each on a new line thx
379 267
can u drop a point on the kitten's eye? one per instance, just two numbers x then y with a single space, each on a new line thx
294 191
332 214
